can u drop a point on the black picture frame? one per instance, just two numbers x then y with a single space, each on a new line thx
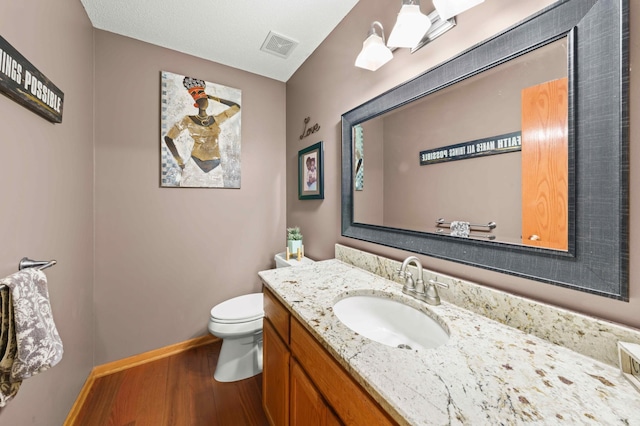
311 173
598 262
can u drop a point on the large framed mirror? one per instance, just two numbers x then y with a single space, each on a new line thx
512 156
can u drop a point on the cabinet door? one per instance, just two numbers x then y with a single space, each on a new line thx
275 377
332 419
307 407
275 312
342 393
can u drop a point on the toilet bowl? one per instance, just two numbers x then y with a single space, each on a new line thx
238 322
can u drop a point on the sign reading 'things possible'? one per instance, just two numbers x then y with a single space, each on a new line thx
500 144
22 82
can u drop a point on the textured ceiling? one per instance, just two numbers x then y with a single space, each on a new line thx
229 32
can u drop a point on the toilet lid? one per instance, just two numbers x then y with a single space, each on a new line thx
244 308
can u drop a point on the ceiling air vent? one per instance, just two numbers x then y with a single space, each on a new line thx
278 45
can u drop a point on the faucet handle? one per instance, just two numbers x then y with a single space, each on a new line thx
431 295
434 282
409 284
404 273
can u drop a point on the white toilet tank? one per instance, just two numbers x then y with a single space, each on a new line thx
282 262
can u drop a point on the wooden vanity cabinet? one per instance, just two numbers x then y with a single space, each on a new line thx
275 361
302 384
353 404
307 407
275 376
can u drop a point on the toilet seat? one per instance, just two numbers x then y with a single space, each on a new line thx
245 308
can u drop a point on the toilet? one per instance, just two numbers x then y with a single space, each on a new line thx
238 322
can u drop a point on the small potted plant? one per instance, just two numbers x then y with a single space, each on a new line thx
294 240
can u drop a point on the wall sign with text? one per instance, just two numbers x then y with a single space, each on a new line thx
306 131
22 82
500 144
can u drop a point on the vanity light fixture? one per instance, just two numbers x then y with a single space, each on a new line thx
410 27
374 53
449 8
439 26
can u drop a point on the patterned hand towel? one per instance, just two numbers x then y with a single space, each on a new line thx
8 348
39 344
460 229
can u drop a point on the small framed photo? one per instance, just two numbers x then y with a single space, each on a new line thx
310 173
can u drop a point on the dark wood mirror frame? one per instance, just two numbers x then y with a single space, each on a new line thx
598 258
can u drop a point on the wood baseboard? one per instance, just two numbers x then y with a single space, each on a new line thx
82 397
132 361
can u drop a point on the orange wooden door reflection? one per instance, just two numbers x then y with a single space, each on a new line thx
545 165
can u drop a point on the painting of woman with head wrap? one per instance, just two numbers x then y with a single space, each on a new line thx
200 133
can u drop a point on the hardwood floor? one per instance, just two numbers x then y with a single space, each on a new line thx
178 390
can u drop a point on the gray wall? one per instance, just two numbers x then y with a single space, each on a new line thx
47 195
166 256
328 85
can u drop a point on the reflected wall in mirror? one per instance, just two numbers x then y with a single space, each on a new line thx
402 193
400 207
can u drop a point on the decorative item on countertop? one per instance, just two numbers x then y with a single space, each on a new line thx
629 354
460 229
294 243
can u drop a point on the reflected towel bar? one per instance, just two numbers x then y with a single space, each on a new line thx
489 237
25 262
490 225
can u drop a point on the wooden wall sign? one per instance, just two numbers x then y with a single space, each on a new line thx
488 146
22 82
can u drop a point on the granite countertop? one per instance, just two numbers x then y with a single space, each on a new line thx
487 372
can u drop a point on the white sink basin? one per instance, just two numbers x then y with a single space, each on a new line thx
390 322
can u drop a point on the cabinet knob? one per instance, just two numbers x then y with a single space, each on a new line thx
534 237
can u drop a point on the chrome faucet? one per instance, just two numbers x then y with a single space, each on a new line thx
417 288
411 287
